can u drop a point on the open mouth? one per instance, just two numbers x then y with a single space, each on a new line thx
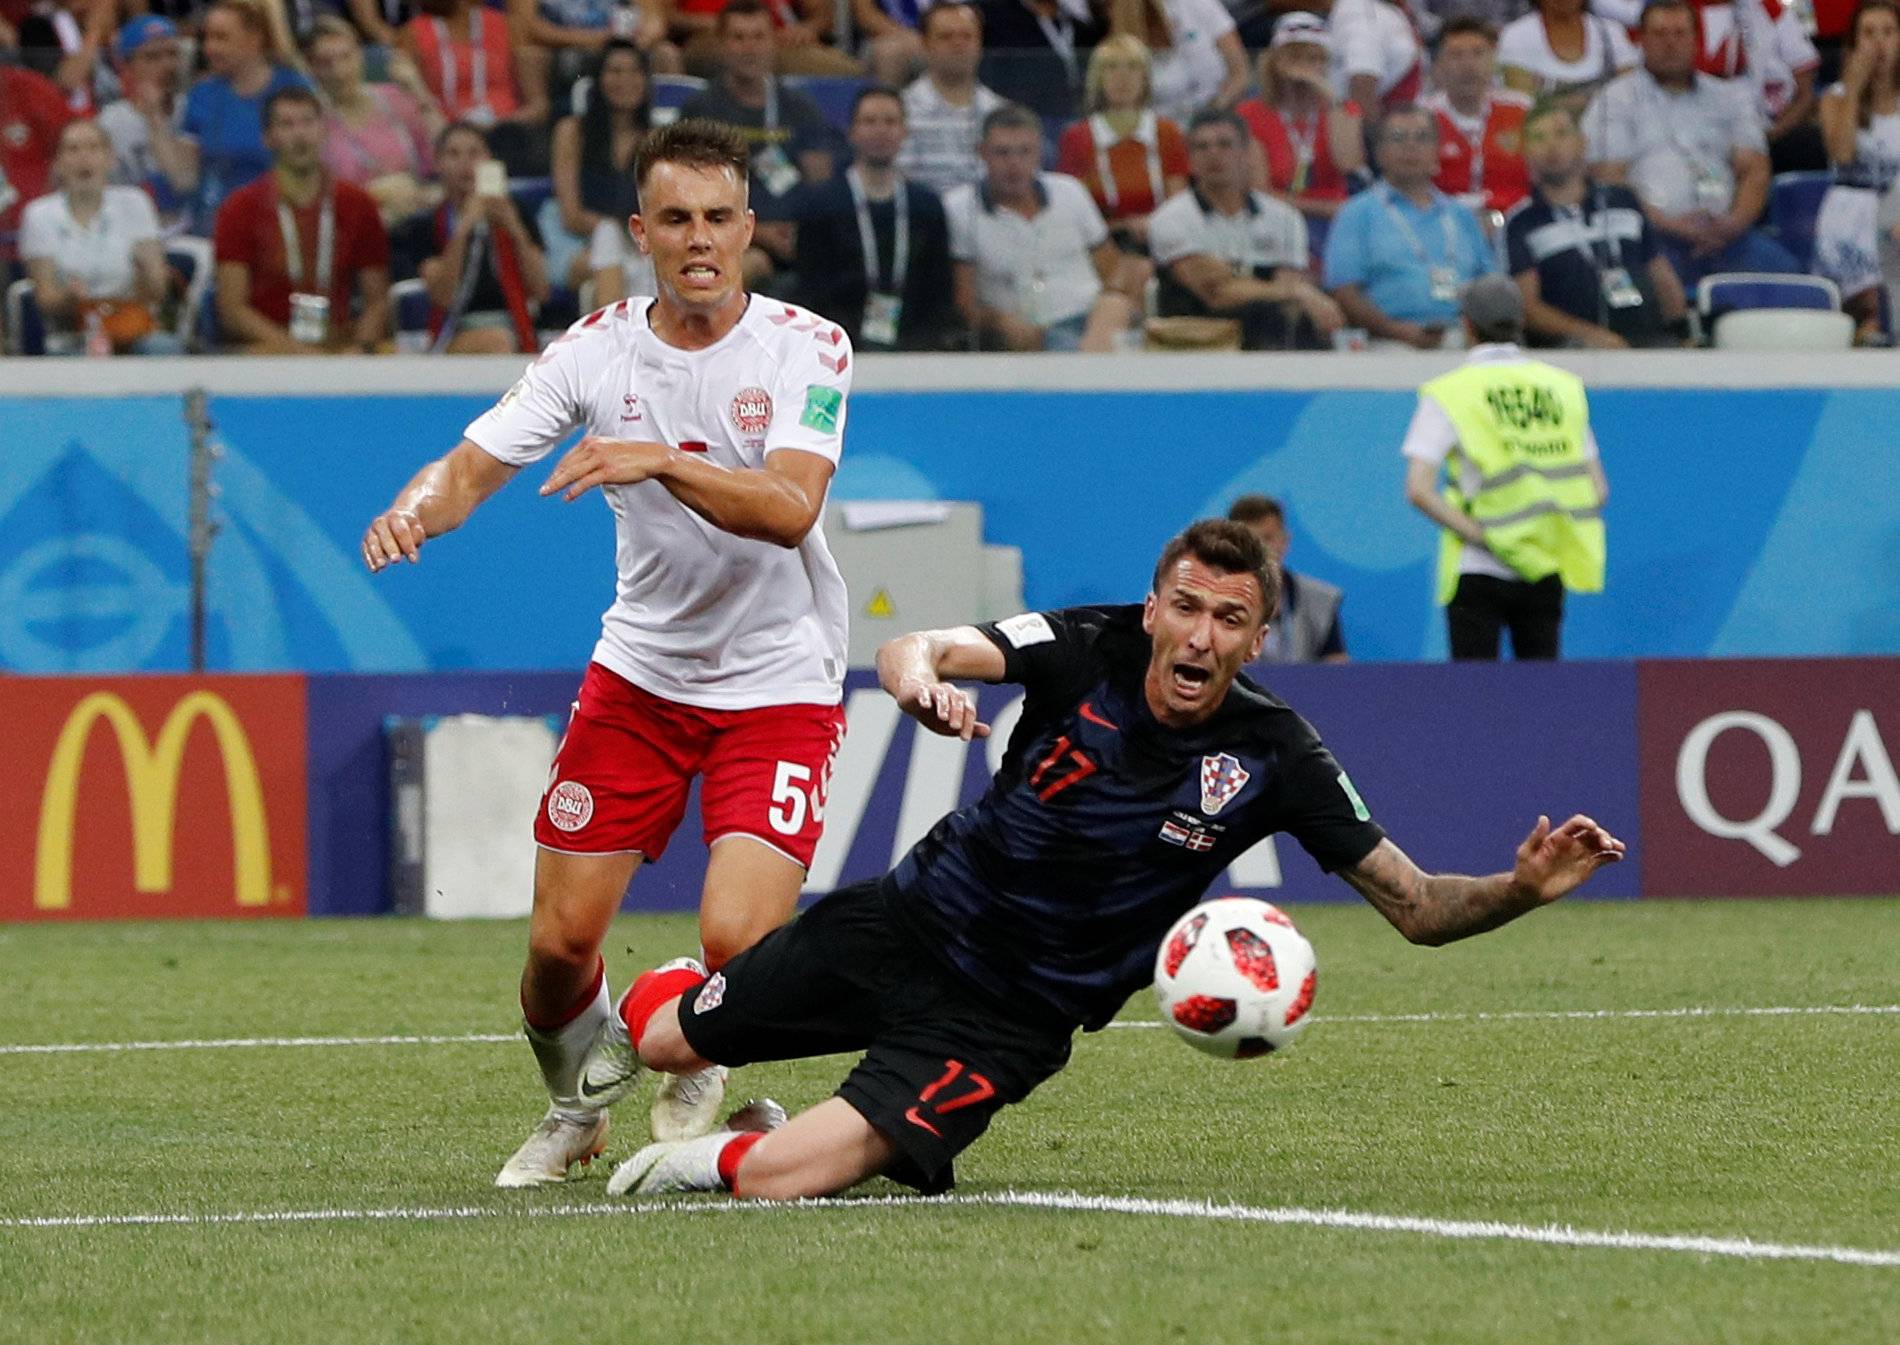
699 273
1189 679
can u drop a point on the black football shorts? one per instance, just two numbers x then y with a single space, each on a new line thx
940 1057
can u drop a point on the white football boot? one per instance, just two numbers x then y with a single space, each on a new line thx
556 1145
611 1068
674 1167
686 1106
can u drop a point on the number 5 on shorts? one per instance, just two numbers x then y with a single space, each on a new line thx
787 794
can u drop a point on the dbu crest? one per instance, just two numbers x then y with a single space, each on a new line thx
1222 777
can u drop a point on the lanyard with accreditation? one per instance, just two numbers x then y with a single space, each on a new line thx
1444 279
309 293
884 295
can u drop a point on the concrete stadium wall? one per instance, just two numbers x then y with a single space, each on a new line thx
1755 504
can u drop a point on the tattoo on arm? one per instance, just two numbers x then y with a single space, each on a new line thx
1434 908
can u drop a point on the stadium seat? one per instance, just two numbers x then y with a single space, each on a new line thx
409 316
1733 290
530 194
1794 201
190 258
26 326
834 95
1783 329
669 94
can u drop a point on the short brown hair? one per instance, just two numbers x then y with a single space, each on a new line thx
1253 508
695 143
1226 546
950 7
739 9
1468 25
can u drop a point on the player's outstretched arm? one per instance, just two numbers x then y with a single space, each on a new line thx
912 669
778 503
1435 908
439 499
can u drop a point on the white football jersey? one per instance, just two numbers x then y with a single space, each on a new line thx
700 616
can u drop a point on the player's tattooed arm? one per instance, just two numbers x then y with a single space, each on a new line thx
1436 908
438 499
913 669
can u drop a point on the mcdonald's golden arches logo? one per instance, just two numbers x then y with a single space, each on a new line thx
174 806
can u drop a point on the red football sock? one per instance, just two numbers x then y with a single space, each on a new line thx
574 1010
733 1154
653 989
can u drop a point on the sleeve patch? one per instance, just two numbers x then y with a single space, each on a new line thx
1359 809
822 405
1027 629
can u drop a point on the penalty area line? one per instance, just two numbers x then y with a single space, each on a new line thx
1481 1016
1548 1235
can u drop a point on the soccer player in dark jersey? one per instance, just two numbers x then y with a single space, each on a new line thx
1143 764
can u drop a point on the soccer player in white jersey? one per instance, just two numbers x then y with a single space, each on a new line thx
713 422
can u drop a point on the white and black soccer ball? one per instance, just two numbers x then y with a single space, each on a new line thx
1235 978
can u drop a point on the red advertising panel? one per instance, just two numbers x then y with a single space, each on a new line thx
141 797
1769 777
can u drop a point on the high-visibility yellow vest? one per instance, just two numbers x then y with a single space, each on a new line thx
1521 427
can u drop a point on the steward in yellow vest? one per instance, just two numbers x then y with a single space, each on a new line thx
1522 509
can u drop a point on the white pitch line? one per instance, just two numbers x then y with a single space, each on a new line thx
1550 1235
232 1043
1500 1016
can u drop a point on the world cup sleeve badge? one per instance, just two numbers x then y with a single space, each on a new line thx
1222 777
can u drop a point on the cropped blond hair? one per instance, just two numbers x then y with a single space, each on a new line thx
1124 46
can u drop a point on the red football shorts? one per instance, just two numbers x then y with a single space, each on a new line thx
621 774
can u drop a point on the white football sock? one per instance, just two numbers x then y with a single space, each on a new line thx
560 1051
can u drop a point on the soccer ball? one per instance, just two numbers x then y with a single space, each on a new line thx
1235 979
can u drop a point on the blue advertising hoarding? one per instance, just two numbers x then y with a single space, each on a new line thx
1455 762
1740 521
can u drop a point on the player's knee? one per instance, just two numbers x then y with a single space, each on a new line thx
562 945
724 934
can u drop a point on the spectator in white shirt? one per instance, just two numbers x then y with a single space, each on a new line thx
1563 51
1035 267
1763 44
1198 61
93 253
152 72
1378 61
945 106
1691 148
1224 250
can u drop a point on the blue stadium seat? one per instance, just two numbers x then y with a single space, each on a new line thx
530 194
190 258
1735 290
26 326
409 315
669 94
834 95
1793 203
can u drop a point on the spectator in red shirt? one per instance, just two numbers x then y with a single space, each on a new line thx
296 248
802 30
1480 126
1129 158
32 114
470 63
1307 143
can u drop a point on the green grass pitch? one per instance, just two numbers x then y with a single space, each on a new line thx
1780 1128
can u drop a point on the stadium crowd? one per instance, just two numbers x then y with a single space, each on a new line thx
290 176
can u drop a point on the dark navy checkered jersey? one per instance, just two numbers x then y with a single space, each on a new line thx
1102 826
